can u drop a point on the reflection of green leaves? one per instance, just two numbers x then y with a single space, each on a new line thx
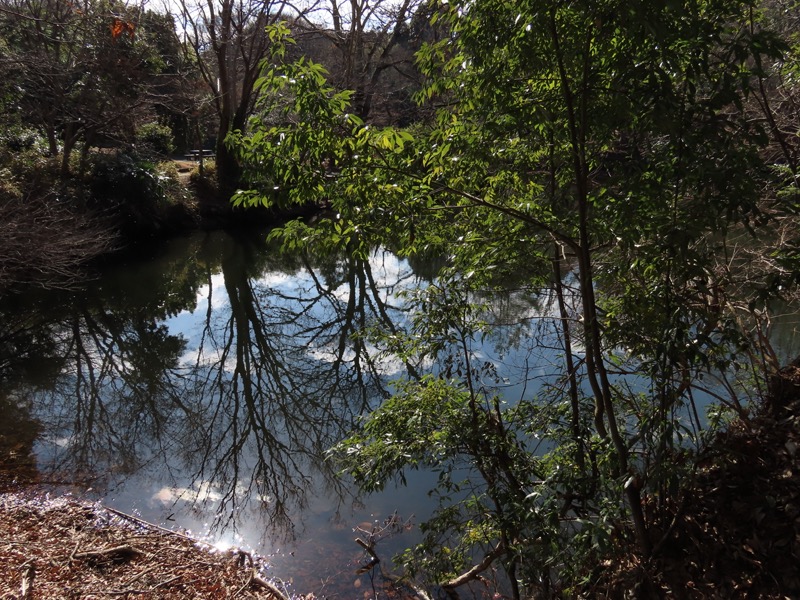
18 434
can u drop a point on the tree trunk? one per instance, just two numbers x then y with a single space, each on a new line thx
576 102
70 138
228 169
566 332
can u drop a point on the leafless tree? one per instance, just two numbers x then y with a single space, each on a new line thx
45 243
228 40
367 38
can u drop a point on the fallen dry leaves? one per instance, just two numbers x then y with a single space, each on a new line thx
62 548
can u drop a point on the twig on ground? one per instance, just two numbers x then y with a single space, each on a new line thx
117 553
26 589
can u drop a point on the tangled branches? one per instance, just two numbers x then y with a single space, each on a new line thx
46 243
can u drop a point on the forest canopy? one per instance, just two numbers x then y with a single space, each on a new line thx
632 166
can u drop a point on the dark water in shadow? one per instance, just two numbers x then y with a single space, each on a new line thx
201 386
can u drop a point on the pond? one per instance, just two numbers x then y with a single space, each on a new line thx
200 384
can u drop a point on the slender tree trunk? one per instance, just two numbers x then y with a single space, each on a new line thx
70 138
89 140
576 107
228 169
52 138
572 379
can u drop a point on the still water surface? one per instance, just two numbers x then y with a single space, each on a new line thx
200 386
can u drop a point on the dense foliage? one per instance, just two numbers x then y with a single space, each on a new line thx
615 158
630 165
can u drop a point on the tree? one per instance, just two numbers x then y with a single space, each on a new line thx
228 40
372 54
608 137
77 73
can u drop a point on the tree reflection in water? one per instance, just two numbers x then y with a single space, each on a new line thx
282 375
216 373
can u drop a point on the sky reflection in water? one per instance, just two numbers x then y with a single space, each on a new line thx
200 388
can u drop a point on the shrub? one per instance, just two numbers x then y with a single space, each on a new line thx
154 139
23 139
172 190
24 157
